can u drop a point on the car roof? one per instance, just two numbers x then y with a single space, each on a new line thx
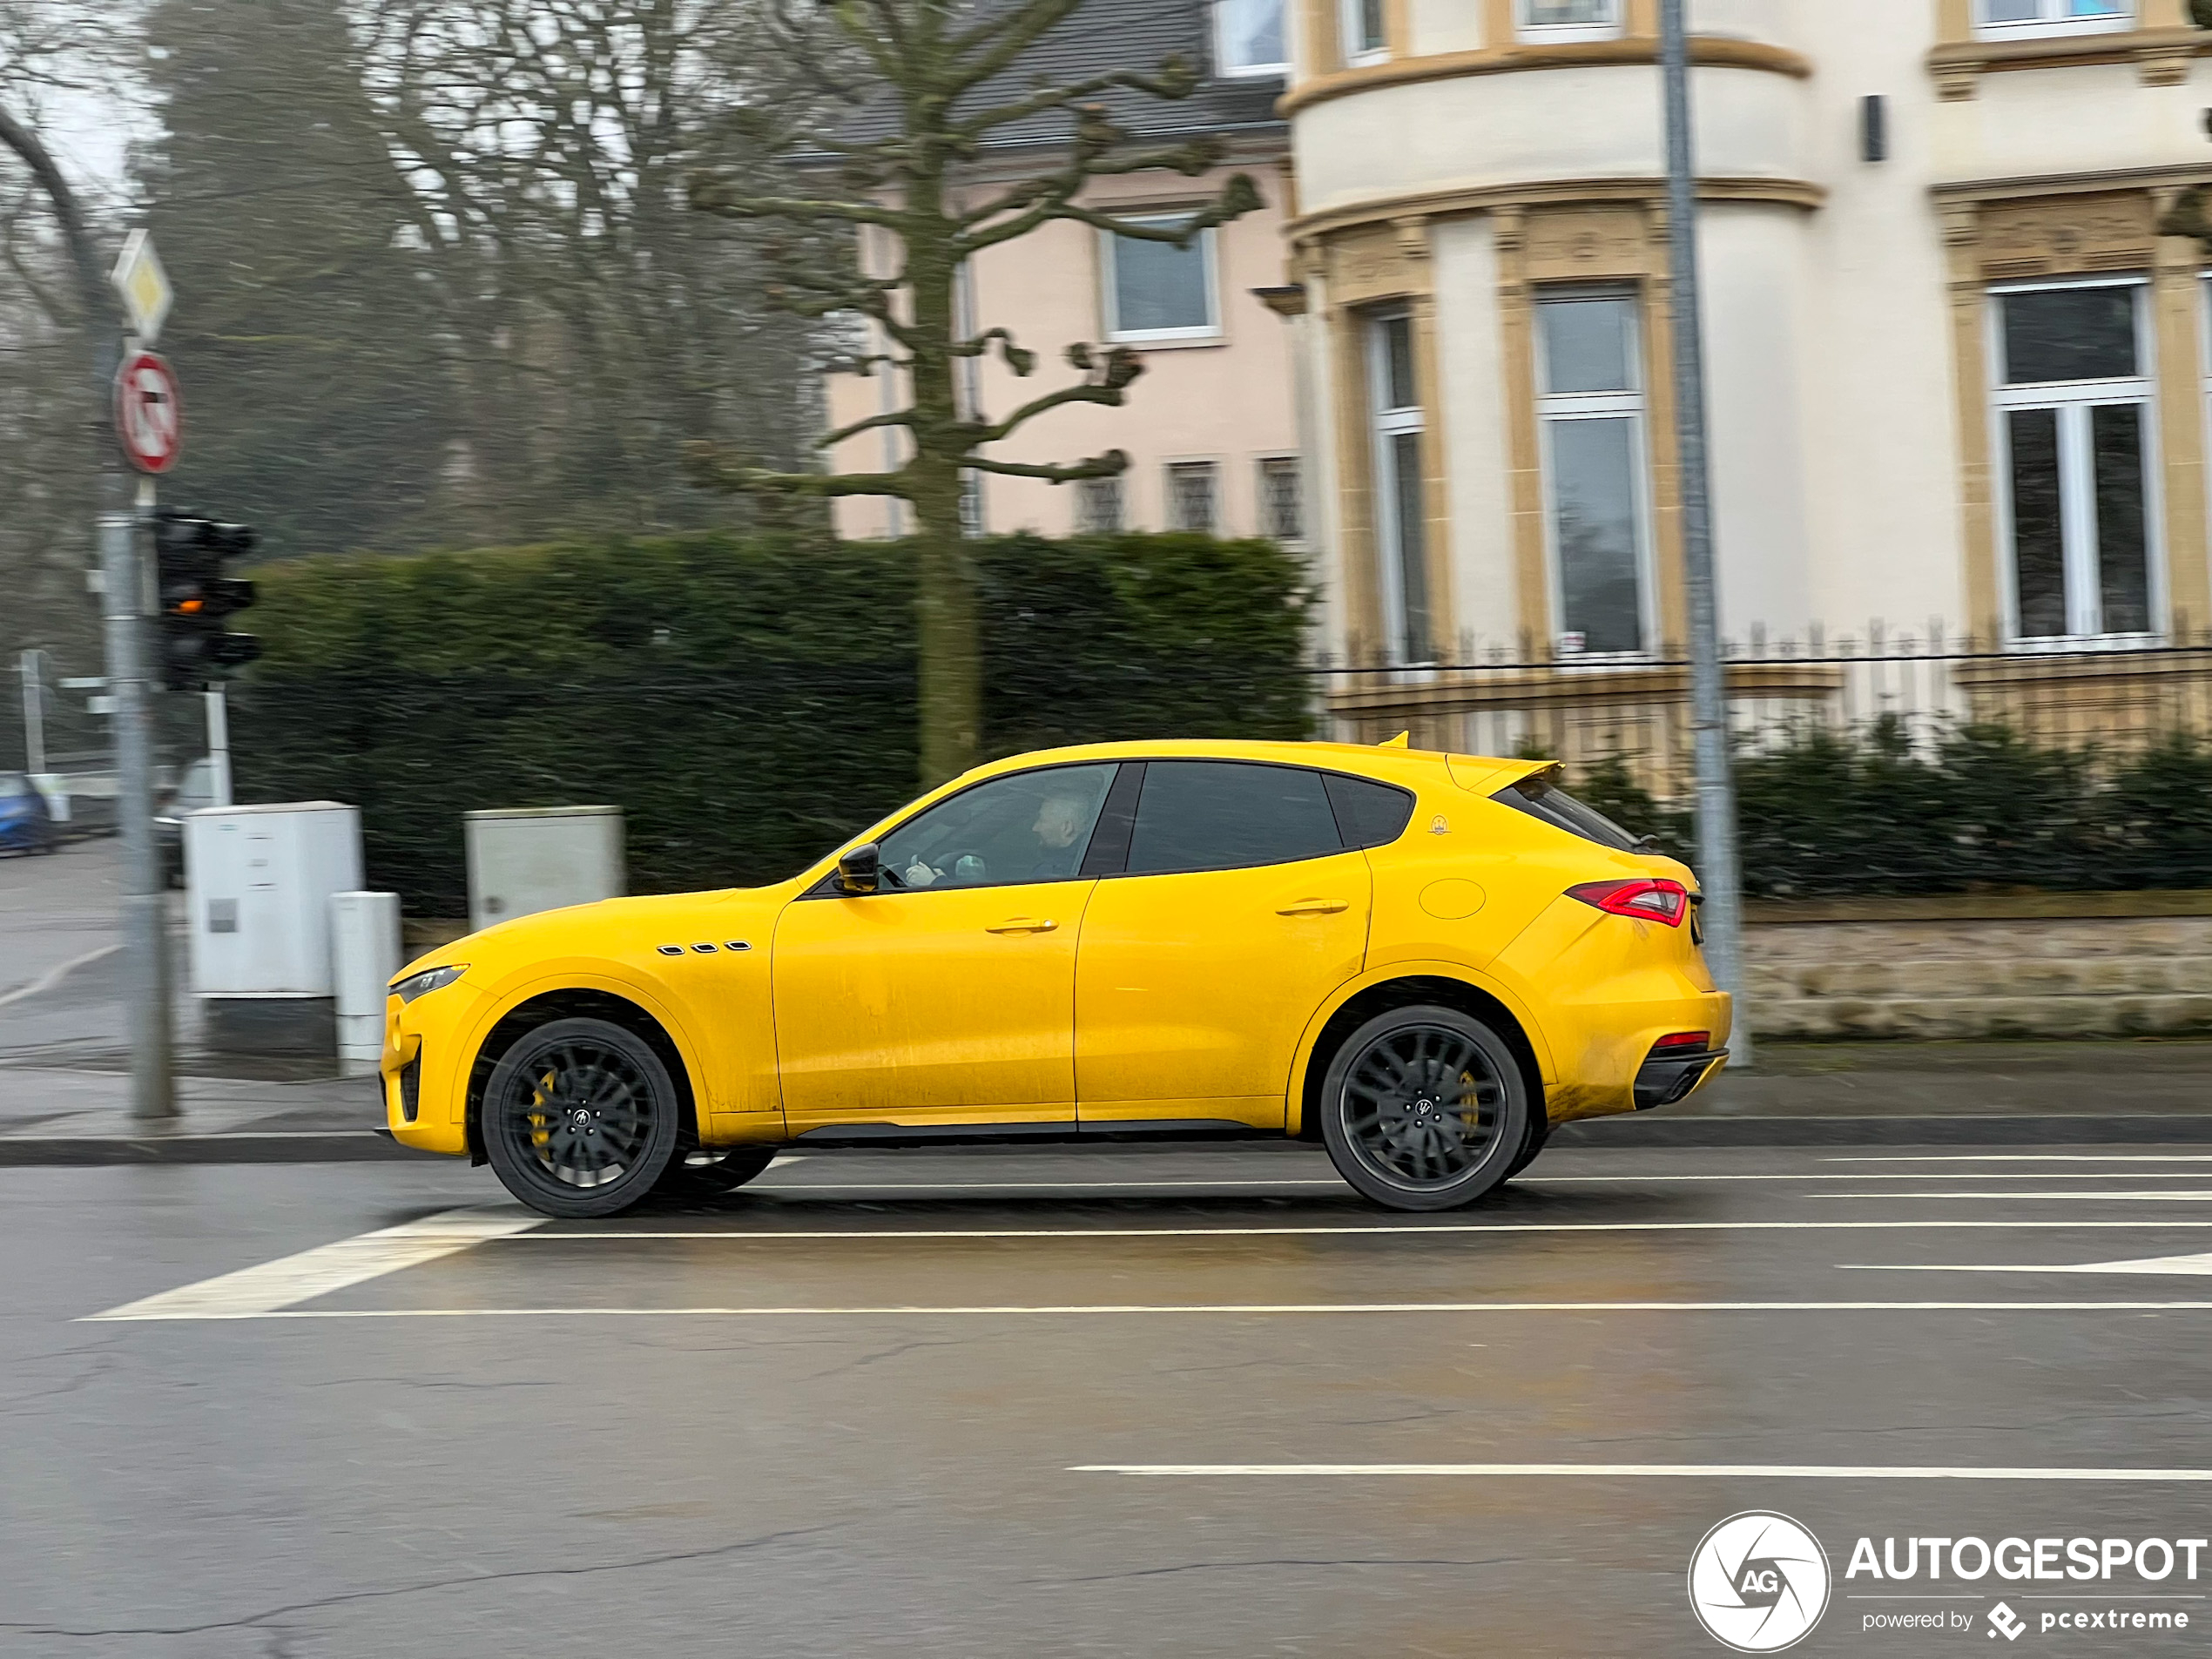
1388 762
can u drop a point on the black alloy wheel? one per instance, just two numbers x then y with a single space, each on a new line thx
581 1118
709 1171
1424 1107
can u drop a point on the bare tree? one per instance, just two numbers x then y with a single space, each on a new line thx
946 72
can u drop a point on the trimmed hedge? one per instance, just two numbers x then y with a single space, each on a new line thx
748 700
1831 814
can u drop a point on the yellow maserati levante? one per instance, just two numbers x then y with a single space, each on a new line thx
1422 961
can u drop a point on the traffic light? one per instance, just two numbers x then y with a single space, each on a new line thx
190 556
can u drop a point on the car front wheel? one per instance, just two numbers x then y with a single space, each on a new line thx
581 1118
1424 1107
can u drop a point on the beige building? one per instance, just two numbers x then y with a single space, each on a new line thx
1958 378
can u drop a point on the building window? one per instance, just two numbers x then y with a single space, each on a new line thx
1365 39
2029 19
1282 509
1590 415
2073 426
1098 506
1570 19
1194 496
1248 39
1401 520
1155 290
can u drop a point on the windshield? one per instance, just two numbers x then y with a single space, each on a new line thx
1539 797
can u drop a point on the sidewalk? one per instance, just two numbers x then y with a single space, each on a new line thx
1803 1095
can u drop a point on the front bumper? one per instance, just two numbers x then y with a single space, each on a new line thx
1671 1075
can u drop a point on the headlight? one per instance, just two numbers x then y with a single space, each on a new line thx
431 979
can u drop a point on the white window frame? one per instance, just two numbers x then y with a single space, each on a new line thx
2077 481
1384 425
1109 285
1633 404
1349 19
1223 69
2053 20
1612 29
1173 513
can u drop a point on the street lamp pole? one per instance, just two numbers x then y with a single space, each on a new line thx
125 606
1719 873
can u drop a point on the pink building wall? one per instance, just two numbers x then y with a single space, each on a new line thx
1227 398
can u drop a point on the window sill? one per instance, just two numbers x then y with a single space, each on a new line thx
2161 56
1567 33
1170 342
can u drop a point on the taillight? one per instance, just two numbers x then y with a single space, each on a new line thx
1646 897
1694 1041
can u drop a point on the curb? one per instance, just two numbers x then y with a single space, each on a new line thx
2083 1129
350 1146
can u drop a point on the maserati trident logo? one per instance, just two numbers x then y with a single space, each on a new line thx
1758 1582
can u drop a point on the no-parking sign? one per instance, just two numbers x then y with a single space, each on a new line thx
149 413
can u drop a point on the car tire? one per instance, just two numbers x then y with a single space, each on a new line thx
710 1171
581 1119
1424 1107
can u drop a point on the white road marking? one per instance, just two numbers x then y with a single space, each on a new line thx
256 1293
2195 1266
54 975
1040 1182
2026 1158
1256 1309
2195 1195
1410 1231
1873 1174
1690 1471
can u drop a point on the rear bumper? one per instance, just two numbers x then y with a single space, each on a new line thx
1666 1078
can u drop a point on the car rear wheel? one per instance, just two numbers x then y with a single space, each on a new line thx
1424 1107
708 1171
581 1118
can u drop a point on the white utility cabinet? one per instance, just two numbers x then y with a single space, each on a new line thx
258 881
364 955
541 858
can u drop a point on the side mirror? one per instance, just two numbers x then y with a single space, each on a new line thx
858 871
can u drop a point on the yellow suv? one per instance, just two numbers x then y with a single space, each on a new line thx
1422 961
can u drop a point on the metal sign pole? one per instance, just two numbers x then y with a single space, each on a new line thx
1718 872
34 713
219 743
146 941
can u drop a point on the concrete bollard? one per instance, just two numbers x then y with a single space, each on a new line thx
364 955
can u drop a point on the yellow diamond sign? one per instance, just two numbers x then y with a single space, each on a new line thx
145 286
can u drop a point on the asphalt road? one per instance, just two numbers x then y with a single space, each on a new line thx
881 1403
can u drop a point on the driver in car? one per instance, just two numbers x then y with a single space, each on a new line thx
1058 827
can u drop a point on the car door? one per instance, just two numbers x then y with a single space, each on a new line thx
1238 909
948 995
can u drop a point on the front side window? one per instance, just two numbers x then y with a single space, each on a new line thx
1249 38
1400 495
2074 423
1590 412
2025 19
1365 38
1570 19
1227 815
1156 290
1031 826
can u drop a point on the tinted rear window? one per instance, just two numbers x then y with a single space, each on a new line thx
1368 814
1540 798
1224 815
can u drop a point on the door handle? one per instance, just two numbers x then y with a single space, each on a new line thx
1023 925
1314 907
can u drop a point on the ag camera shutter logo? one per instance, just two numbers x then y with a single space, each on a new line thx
1758 1582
